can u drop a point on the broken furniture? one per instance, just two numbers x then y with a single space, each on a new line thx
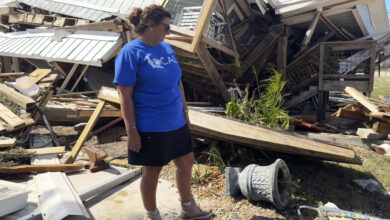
261 183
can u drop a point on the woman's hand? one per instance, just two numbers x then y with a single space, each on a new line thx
133 140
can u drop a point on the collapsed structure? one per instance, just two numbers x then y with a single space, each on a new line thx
222 46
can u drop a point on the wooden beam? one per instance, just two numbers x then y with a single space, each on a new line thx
59 68
358 96
103 114
80 77
38 74
84 135
16 97
261 48
179 44
203 22
219 47
42 168
47 151
113 26
10 117
109 95
232 39
10 142
208 64
68 77
351 114
266 139
310 31
381 127
334 28
77 93
282 54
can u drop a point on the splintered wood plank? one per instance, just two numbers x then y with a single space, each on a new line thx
42 168
9 117
351 114
7 142
384 108
381 127
47 151
362 99
85 134
265 138
38 74
16 97
109 95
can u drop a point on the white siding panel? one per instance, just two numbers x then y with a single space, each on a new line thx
82 47
86 50
65 45
94 51
70 49
30 45
78 50
104 51
42 48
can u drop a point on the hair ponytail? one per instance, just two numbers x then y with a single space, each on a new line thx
135 16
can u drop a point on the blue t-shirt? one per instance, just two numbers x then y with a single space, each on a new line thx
155 75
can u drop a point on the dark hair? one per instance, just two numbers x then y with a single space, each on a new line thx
150 16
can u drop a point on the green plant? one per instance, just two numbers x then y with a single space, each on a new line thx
214 156
264 108
199 177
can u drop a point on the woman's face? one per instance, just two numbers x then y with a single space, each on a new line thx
161 30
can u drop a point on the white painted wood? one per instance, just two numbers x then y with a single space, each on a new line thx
38 44
378 14
364 14
307 6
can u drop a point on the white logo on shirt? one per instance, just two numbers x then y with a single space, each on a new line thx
156 63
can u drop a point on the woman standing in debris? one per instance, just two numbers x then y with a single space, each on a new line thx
154 109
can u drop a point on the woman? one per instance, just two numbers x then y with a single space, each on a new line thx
154 109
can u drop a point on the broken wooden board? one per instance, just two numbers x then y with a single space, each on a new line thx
38 74
258 137
47 151
10 117
265 138
16 97
42 168
381 127
362 99
10 142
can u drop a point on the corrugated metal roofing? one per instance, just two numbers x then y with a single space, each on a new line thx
94 10
82 47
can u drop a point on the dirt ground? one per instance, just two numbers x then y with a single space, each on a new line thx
314 182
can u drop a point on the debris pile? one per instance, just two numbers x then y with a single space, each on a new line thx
56 67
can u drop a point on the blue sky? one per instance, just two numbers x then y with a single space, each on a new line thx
387 7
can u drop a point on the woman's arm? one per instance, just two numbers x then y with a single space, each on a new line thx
127 110
185 107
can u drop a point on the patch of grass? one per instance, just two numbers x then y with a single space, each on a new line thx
381 87
214 157
200 176
264 108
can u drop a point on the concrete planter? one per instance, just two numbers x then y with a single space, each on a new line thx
261 183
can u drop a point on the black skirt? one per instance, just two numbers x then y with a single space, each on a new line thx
159 148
